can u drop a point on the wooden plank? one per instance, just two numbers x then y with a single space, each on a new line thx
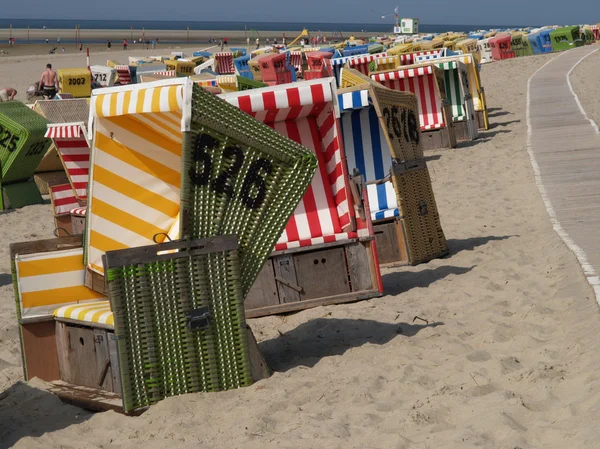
63 351
84 366
304 249
186 248
64 227
43 246
115 371
91 399
102 357
359 267
39 349
78 225
284 268
260 369
310 303
322 273
264 290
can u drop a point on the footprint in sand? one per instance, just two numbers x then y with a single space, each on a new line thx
479 356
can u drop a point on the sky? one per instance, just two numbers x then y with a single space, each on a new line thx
461 12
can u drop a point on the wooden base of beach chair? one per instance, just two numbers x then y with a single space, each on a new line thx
40 358
64 225
293 279
87 356
391 242
438 139
461 130
481 121
47 179
19 195
95 281
78 224
83 353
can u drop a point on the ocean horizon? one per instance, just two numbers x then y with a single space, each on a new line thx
233 26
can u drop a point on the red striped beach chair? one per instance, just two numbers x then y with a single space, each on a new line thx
361 63
297 61
63 200
224 63
123 74
324 233
427 83
74 152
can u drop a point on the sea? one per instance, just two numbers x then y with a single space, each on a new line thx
258 26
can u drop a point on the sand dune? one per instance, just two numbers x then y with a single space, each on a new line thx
508 359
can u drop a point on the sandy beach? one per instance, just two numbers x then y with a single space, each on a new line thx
509 358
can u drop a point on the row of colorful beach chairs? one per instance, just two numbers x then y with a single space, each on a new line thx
158 166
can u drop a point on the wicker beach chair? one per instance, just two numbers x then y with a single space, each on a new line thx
22 147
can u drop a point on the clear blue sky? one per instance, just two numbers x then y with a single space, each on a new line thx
467 12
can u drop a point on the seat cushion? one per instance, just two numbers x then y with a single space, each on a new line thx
97 312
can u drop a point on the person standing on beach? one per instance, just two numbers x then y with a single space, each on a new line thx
124 44
221 44
109 44
46 40
7 94
257 43
80 46
58 40
48 83
225 41
248 42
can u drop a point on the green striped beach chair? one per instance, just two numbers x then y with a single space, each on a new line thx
461 102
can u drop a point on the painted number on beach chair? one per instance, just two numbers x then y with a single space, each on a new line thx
77 81
36 148
99 77
406 125
8 140
224 183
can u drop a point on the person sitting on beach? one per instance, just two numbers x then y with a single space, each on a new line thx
7 94
48 83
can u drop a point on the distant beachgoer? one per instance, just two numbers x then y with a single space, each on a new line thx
221 43
225 41
267 41
109 44
63 49
58 40
284 41
48 83
156 42
124 44
80 46
7 94
257 43
274 41
153 44
46 40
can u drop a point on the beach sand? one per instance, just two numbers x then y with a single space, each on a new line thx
509 359
585 80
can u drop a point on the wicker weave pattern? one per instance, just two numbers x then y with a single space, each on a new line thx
22 141
419 213
159 355
269 175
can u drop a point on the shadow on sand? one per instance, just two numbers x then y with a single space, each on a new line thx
308 343
26 411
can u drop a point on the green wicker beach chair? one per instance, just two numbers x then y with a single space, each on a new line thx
179 319
22 147
246 83
240 177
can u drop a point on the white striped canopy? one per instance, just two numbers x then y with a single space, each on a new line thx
63 131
